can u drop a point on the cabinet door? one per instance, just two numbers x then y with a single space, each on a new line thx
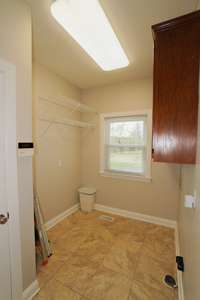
175 105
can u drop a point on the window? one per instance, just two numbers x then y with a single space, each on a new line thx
126 144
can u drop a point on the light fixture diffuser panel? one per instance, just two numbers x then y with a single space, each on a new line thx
87 23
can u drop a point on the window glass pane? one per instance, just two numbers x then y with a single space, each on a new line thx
126 159
127 132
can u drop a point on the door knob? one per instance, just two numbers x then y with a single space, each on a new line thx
4 219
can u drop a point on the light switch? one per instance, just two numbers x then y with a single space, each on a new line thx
190 201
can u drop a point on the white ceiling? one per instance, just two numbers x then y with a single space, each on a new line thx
130 19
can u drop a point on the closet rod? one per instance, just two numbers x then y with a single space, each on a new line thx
69 103
68 122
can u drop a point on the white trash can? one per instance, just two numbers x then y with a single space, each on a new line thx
87 198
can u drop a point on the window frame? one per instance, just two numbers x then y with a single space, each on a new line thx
146 176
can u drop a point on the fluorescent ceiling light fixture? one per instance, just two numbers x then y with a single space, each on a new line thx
87 23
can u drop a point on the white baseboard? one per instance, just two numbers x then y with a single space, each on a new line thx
51 223
179 273
31 291
136 216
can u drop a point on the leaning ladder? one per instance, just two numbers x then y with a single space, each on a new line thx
46 250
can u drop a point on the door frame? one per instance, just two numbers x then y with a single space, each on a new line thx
9 72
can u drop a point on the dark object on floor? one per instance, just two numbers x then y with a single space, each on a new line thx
180 263
170 281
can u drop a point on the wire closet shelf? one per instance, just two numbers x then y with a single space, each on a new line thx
68 104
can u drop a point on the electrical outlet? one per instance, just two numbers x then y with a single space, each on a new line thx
180 263
59 163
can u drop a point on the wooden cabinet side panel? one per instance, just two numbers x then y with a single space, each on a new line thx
175 107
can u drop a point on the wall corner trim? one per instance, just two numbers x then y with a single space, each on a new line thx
179 273
137 216
51 223
31 290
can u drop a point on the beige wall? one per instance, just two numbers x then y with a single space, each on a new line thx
189 227
56 184
158 198
15 47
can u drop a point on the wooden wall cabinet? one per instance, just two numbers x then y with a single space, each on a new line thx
176 89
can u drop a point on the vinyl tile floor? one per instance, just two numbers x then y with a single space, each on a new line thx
101 260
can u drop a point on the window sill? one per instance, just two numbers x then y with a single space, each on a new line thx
126 176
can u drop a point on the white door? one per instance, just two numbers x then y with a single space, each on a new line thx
10 260
5 280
